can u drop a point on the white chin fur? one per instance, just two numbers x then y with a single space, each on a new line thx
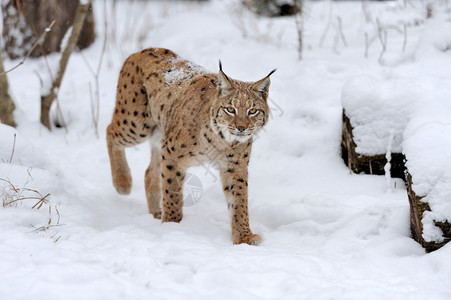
231 138
243 139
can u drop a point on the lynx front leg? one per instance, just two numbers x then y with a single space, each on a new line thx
122 178
153 183
234 182
172 183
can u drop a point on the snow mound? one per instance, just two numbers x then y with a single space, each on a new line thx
435 41
15 149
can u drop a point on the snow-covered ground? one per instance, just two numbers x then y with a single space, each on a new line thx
327 234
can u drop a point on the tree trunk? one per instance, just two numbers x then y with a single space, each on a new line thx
29 18
47 100
6 103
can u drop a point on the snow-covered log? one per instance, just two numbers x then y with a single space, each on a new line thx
417 210
368 164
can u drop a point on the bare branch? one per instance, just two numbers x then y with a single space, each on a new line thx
367 45
47 100
404 44
14 147
95 101
340 31
38 41
299 26
382 34
326 30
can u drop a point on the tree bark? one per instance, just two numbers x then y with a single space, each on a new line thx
6 103
47 100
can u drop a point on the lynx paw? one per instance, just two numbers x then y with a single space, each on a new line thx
123 184
253 240
172 217
156 214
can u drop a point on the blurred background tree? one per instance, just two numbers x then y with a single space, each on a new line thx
25 20
273 8
6 103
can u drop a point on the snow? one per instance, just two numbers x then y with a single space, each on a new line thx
327 234
177 74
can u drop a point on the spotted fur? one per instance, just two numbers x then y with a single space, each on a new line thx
200 118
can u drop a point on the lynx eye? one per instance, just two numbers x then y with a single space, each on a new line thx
252 111
230 110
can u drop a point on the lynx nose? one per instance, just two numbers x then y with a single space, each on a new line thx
241 128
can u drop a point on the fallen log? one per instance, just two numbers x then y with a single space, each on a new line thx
373 165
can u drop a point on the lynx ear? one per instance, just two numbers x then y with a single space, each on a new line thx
224 82
262 85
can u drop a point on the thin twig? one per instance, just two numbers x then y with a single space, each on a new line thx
92 107
365 11
382 39
41 202
44 228
94 114
58 214
299 26
340 30
12 187
326 30
95 96
14 147
405 38
366 45
42 37
29 172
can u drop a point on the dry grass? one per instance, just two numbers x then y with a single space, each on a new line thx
13 195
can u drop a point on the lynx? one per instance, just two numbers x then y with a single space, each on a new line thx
192 117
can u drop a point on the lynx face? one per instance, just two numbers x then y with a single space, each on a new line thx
241 109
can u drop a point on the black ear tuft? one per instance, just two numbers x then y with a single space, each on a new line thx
270 73
224 82
220 71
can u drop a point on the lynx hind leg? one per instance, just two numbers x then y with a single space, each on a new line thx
131 125
120 171
152 178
